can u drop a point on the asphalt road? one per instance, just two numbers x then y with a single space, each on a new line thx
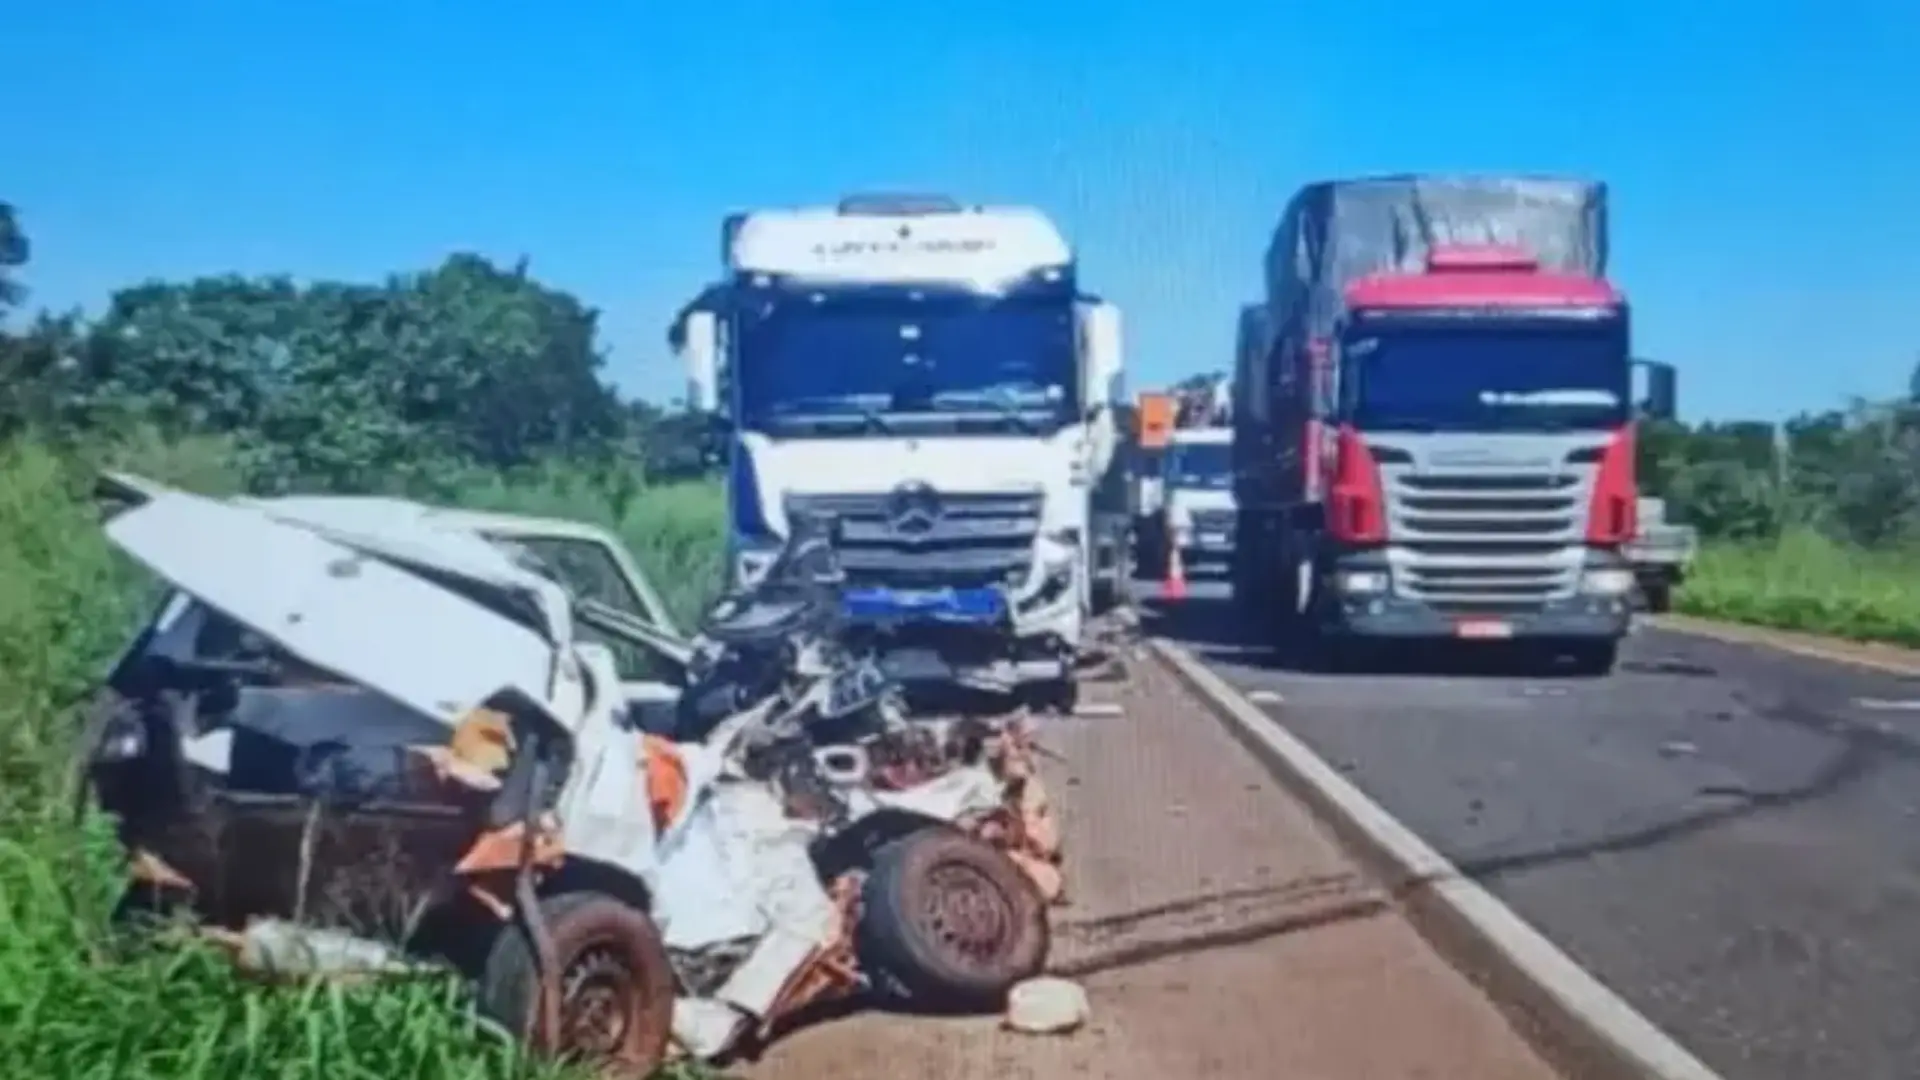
1727 835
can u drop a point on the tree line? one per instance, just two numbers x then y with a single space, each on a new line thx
338 386
1849 473
362 387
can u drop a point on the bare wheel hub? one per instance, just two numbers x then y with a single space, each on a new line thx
597 1004
961 908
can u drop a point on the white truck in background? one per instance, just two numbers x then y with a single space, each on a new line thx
932 376
1197 479
1661 554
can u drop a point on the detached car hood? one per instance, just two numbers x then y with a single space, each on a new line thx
440 638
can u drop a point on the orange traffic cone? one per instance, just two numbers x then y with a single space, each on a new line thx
1174 585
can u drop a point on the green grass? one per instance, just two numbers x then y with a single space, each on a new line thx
74 1001
1808 583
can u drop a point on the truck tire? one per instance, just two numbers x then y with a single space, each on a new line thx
1110 591
1593 658
616 985
1240 589
950 923
1061 695
1658 596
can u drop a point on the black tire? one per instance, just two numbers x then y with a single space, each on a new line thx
1159 560
611 958
1593 658
1658 596
1060 695
917 950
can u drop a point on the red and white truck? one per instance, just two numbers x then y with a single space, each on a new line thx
1434 419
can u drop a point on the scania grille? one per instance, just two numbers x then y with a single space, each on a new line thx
975 539
1486 542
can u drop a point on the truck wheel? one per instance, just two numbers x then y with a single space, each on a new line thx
1060 695
950 923
1593 658
1658 596
615 981
1240 589
1302 589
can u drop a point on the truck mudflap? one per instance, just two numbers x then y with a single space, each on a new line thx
1368 611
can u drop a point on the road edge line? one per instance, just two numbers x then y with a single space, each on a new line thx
1800 643
1572 1018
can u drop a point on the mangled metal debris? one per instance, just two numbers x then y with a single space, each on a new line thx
354 742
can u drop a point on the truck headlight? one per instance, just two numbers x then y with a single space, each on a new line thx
1612 581
1362 582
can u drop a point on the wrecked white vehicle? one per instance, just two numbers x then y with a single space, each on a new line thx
777 638
367 745
780 647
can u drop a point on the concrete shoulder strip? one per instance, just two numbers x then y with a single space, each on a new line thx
1570 1016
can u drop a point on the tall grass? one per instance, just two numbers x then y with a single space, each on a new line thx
1809 583
76 1003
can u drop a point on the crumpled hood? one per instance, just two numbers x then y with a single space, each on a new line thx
336 607
971 463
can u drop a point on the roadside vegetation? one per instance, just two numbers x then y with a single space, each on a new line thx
468 385
1811 525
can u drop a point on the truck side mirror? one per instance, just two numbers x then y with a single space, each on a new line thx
1659 399
1101 353
699 343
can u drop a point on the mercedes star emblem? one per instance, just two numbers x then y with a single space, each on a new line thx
913 508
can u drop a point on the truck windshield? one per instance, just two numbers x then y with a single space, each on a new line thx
909 360
1199 465
1481 375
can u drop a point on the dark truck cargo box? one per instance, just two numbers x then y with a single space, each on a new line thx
1335 232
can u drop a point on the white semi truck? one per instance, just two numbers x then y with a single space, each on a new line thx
932 376
1197 477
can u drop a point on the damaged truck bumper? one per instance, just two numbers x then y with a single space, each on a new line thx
987 638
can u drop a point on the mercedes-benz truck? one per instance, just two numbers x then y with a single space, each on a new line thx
933 376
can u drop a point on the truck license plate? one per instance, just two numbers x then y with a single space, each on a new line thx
1483 628
1213 540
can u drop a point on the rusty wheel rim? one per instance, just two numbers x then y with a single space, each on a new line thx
967 914
600 1001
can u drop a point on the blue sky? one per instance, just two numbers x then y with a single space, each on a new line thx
1764 157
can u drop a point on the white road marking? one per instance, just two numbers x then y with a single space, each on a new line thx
1566 996
1264 697
1885 705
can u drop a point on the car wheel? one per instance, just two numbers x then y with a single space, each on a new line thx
615 983
950 922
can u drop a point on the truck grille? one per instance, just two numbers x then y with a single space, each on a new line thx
976 539
1484 541
1212 521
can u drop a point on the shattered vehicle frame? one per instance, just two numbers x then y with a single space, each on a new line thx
616 605
359 743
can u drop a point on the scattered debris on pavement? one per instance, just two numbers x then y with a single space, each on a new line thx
1047 1006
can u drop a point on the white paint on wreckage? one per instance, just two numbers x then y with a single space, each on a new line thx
730 869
